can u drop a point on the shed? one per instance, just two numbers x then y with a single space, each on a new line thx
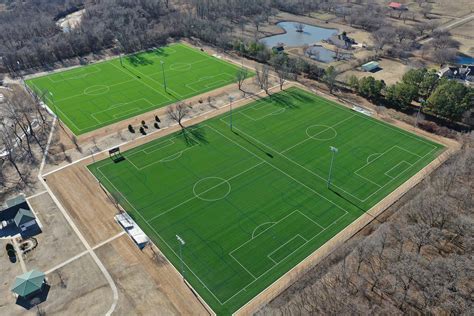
28 283
370 66
24 219
397 6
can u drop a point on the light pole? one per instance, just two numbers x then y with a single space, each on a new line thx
19 69
163 71
422 103
231 98
334 151
181 244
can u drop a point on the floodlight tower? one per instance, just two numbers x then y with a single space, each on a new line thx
422 103
163 71
231 98
334 151
181 244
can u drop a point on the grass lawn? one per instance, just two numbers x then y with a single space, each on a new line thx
253 202
93 96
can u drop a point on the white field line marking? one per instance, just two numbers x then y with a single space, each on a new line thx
317 193
378 157
146 84
164 241
368 157
276 112
365 117
283 245
388 171
281 220
204 114
205 191
264 273
323 178
308 138
78 76
266 223
82 94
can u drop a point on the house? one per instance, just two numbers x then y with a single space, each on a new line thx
24 219
397 6
464 73
342 41
371 66
18 216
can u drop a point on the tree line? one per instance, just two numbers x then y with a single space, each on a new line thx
440 96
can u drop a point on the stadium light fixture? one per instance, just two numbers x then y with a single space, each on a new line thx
181 243
163 71
334 151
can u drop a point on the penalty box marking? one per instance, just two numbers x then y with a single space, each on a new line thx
269 254
380 156
325 179
148 222
78 76
169 158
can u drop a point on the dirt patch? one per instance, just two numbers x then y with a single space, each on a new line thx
71 21
391 72
58 242
146 281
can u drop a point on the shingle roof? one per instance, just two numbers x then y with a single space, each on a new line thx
23 216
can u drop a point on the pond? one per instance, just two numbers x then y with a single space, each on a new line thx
465 60
325 55
310 35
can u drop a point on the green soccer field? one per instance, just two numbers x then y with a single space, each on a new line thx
253 202
93 96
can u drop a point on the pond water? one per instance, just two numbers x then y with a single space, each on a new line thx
465 60
310 35
324 55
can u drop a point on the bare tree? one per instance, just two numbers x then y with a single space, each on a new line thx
299 27
262 75
178 112
241 75
283 74
12 151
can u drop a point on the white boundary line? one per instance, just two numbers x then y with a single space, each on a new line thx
386 125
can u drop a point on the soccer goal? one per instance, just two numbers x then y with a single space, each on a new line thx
116 155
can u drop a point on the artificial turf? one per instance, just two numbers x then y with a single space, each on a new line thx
93 96
253 202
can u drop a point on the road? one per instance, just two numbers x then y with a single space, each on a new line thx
451 26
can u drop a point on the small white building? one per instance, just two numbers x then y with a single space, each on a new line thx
132 229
